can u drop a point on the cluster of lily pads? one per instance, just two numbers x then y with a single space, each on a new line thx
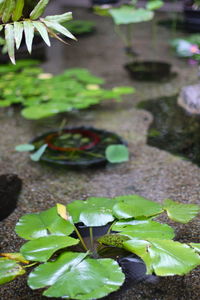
62 256
44 95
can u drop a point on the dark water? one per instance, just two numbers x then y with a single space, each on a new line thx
172 129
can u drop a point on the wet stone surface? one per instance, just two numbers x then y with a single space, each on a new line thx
151 172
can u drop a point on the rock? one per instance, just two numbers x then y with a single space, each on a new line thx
189 98
10 187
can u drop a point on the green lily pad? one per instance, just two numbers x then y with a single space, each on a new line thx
117 153
9 269
43 248
95 278
33 226
164 257
134 206
181 212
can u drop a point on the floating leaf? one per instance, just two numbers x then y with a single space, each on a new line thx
134 206
154 4
117 153
95 211
33 226
181 212
196 246
38 154
43 248
164 257
24 147
128 15
115 240
39 9
18 257
144 230
62 211
9 270
96 278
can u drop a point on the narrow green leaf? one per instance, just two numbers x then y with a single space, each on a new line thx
59 18
117 153
17 13
39 9
29 34
59 28
24 147
43 248
38 154
10 42
41 28
9 269
8 9
18 32
180 212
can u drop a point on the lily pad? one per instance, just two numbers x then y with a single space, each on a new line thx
9 269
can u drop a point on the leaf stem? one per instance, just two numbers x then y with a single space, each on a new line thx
91 238
81 239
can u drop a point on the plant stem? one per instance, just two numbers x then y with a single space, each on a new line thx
81 239
28 266
120 34
62 125
91 238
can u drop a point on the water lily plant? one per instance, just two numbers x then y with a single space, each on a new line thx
18 17
62 258
44 95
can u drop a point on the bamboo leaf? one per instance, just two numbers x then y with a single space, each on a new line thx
59 28
39 9
41 28
17 13
29 34
18 33
8 10
10 42
59 18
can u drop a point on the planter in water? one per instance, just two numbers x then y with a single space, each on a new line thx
149 70
76 146
119 230
38 51
10 187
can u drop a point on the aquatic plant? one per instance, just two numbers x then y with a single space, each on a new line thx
60 256
20 17
44 95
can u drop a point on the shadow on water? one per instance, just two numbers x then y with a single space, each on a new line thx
172 129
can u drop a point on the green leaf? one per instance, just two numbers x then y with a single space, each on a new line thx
38 154
9 269
154 4
39 9
59 18
164 257
29 34
117 153
144 230
24 147
17 13
7 11
196 246
134 206
33 226
95 278
128 15
41 28
92 212
115 240
18 33
43 248
181 212
59 28
10 42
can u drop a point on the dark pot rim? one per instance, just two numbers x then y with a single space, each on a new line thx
96 162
